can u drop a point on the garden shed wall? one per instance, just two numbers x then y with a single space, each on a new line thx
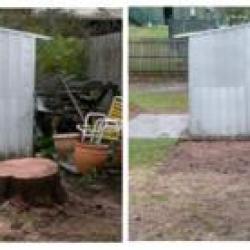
219 82
17 79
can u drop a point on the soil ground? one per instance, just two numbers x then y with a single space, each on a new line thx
92 213
200 192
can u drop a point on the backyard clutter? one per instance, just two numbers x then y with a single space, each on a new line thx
81 107
55 183
98 132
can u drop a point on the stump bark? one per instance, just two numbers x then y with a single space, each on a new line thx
34 181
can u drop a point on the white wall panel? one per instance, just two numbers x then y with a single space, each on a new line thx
17 72
219 82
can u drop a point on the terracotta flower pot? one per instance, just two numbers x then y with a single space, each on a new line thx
88 156
65 144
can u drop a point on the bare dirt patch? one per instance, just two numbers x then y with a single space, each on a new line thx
92 213
201 192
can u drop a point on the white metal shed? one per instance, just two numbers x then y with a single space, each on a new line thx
17 79
219 82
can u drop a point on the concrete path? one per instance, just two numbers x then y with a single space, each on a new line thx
157 126
159 87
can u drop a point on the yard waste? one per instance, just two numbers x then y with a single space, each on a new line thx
100 138
93 108
56 111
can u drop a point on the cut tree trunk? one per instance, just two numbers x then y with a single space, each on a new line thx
34 181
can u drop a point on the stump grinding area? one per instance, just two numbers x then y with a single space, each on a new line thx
91 213
31 180
200 191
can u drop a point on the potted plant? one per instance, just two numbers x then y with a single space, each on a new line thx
65 144
89 156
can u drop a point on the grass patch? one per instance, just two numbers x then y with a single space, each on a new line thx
159 101
159 198
146 199
136 33
146 152
157 65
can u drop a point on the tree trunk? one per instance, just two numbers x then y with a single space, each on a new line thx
34 181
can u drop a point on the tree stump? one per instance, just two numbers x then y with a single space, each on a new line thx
34 181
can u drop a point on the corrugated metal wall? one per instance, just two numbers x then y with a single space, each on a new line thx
105 58
219 82
17 69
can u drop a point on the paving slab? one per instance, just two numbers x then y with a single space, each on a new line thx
158 126
159 87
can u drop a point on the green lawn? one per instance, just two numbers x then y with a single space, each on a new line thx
136 33
162 102
146 152
157 65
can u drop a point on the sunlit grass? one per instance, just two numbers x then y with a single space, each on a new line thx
160 31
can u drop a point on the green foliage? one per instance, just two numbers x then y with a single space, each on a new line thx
89 178
236 15
237 11
64 56
60 55
55 22
45 146
49 21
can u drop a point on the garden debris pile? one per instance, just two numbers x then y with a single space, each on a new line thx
55 110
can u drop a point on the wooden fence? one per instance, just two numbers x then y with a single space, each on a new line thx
105 58
159 56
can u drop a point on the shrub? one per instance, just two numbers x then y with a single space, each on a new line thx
62 55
